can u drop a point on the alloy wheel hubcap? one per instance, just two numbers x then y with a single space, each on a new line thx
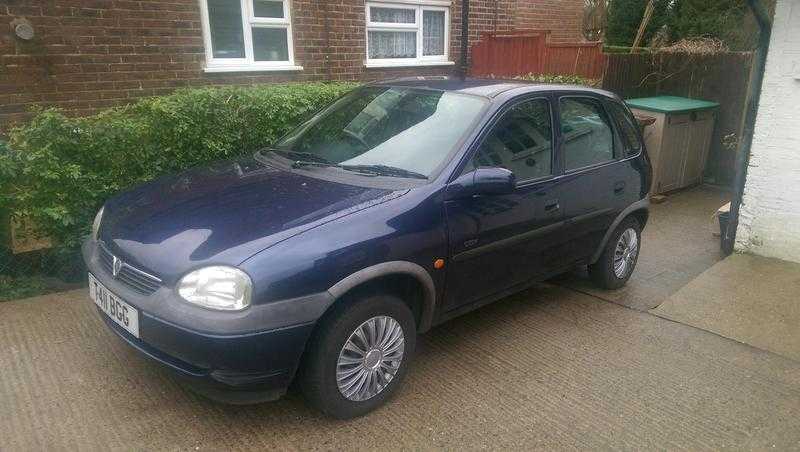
370 358
625 253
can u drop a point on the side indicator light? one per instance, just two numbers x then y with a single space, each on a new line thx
438 263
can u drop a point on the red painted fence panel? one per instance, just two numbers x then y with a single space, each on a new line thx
521 53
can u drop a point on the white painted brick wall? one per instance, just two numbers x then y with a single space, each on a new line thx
769 222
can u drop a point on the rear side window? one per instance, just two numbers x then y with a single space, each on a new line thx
627 129
521 141
588 136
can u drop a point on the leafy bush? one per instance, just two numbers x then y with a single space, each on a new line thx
59 170
721 19
625 16
22 287
727 20
559 79
626 49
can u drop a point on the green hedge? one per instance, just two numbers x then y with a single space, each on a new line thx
58 170
559 79
20 287
626 49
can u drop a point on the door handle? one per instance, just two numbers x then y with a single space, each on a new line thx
619 187
551 205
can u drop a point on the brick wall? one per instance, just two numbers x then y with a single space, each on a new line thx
91 54
564 18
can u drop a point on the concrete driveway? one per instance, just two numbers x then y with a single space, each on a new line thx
548 368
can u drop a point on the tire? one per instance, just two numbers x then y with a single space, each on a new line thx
325 355
604 273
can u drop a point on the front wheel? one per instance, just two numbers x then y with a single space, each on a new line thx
359 355
615 266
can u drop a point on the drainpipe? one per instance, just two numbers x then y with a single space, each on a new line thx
464 38
743 156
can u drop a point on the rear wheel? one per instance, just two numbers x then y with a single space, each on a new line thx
615 266
359 355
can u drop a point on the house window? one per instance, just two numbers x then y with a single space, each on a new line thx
247 35
411 33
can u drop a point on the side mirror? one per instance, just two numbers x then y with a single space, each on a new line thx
482 181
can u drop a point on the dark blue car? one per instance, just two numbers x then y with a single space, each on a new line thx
399 206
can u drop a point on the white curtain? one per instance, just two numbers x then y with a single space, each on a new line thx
392 15
392 44
267 8
433 33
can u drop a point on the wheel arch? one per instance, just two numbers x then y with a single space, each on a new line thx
639 210
396 275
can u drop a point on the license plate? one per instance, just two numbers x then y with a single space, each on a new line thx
120 312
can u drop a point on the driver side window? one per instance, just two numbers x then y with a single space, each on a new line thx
522 142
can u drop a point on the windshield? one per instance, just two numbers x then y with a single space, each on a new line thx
412 130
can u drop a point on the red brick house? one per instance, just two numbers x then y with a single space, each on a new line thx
84 55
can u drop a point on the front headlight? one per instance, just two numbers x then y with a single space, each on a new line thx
221 288
96 224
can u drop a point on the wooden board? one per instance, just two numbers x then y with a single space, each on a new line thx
25 237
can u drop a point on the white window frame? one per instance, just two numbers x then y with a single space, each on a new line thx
249 21
419 6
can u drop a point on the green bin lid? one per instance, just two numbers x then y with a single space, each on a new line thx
670 104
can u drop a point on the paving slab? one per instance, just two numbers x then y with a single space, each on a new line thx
752 299
677 245
549 368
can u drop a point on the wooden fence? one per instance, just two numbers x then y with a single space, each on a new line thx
722 78
529 52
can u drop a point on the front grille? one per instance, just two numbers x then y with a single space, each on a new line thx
132 277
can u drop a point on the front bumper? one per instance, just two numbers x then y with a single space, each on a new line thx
237 362
233 369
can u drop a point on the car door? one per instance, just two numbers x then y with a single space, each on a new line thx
598 180
498 241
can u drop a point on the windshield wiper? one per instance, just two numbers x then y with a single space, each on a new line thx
303 158
385 170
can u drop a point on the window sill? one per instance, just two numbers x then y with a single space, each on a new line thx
251 68
385 64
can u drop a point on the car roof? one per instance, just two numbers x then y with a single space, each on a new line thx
484 87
